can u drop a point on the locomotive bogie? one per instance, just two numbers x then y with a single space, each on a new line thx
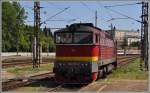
73 71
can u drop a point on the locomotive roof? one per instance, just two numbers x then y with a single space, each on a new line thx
83 27
80 27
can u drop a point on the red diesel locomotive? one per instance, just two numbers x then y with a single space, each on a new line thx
83 53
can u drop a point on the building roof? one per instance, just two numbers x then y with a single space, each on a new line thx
123 30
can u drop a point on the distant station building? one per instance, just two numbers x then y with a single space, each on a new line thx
129 35
131 39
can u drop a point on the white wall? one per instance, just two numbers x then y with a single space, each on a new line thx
24 54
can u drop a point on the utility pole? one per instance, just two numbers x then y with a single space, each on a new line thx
112 31
111 27
96 18
144 35
36 43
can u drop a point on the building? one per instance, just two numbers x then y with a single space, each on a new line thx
132 39
129 36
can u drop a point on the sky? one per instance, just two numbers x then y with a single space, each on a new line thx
84 11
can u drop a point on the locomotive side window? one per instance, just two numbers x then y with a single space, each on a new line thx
96 38
82 38
64 38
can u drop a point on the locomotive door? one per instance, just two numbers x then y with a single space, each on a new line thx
100 49
99 58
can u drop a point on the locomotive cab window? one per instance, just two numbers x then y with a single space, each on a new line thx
63 38
82 38
79 37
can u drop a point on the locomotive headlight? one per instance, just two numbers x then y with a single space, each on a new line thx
69 64
63 64
82 64
60 64
86 65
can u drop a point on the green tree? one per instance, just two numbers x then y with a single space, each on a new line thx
12 16
135 44
47 41
16 32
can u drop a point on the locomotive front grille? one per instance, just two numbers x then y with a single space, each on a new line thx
70 69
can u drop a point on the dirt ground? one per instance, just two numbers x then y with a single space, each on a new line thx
102 85
6 75
115 85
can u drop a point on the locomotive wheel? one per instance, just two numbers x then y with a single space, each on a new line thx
94 76
104 72
115 65
106 69
100 74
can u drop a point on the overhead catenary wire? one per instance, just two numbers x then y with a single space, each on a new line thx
69 20
122 14
116 19
124 4
55 15
54 5
87 7
86 20
108 13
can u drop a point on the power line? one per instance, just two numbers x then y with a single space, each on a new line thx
62 20
88 19
61 9
58 20
122 14
106 11
124 4
54 15
87 7
116 19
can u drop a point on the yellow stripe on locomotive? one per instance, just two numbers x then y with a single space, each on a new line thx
79 59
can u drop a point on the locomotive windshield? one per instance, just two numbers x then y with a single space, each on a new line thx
82 38
73 38
64 38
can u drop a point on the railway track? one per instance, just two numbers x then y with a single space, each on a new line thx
20 82
127 56
67 88
23 62
56 88
28 61
126 61
122 61
15 83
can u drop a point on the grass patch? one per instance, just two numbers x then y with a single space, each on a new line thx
132 71
30 89
29 69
